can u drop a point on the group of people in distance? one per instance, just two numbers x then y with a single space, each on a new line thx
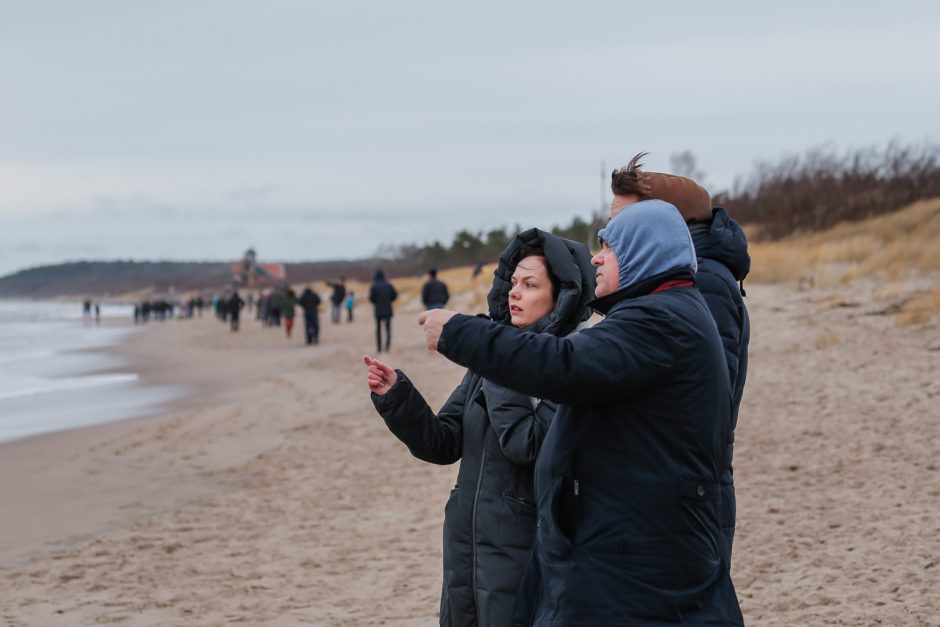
278 307
595 484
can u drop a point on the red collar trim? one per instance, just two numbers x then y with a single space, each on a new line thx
671 284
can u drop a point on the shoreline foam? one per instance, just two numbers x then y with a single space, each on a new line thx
59 374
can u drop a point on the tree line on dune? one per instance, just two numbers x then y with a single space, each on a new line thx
823 186
797 193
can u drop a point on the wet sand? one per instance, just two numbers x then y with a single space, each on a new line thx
275 495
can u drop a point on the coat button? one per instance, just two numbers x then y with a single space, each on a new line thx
701 490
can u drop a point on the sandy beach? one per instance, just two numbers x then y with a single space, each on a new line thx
274 495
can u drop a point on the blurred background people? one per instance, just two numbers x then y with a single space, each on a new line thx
310 302
350 303
235 304
337 298
381 295
434 293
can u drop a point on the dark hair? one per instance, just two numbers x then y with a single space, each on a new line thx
538 251
626 182
433 273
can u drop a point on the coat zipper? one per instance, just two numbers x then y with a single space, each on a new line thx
473 524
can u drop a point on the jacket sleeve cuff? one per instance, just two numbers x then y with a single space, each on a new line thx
396 395
449 334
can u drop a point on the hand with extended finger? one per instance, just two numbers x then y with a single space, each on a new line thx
433 322
380 377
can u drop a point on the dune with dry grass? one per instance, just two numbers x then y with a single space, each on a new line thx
900 251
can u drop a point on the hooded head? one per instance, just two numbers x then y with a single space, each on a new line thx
379 275
648 240
568 261
724 241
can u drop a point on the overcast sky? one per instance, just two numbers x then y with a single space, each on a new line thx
314 130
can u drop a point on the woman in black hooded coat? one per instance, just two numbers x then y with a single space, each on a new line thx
489 519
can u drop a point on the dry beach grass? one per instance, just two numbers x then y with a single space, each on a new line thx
275 495
888 247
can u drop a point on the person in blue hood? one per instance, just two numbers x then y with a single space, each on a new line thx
627 482
723 263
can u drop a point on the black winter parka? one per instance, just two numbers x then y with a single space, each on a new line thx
310 301
723 262
489 519
496 434
434 292
382 294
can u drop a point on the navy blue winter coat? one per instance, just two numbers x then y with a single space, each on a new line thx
628 478
723 262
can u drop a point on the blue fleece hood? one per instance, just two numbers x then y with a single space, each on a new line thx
649 238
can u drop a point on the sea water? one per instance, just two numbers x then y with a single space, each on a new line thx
52 378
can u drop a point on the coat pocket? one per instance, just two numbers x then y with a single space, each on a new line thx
519 505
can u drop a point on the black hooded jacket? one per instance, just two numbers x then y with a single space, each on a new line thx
310 301
434 292
381 294
489 519
339 293
723 262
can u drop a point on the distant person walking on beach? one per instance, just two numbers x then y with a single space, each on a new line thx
543 284
235 304
273 310
723 262
288 310
310 301
350 303
381 295
261 311
628 478
337 298
434 293
97 313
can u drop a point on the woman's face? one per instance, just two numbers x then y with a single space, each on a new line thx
530 298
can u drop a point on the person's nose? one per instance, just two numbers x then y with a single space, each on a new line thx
597 260
514 292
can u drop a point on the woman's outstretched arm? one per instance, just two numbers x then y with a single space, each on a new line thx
435 438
